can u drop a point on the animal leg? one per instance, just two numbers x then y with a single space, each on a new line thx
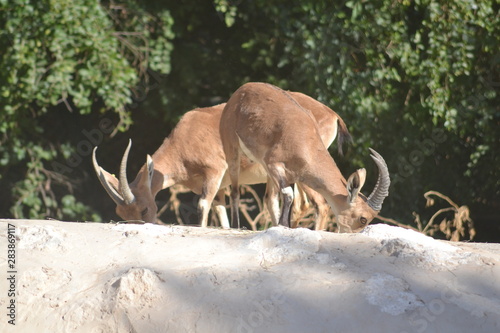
276 172
210 189
234 173
220 208
272 201
301 205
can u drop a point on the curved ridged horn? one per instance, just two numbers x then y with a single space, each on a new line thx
103 176
123 186
381 190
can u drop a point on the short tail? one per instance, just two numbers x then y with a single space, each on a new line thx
344 137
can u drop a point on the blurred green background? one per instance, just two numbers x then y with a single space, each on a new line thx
418 81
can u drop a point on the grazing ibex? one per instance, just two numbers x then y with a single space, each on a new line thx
267 125
192 155
329 124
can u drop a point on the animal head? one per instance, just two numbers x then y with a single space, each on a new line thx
133 201
356 211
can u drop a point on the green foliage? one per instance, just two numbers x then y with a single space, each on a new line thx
58 49
227 10
36 196
81 56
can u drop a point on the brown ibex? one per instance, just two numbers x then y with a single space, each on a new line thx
266 124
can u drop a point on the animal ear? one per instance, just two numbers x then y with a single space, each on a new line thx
354 184
147 175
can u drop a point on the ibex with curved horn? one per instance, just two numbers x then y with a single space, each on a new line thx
193 156
267 125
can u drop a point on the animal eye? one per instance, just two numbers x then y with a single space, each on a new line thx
144 211
363 220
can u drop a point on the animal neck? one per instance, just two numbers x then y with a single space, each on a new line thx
327 180
168 170
165 174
